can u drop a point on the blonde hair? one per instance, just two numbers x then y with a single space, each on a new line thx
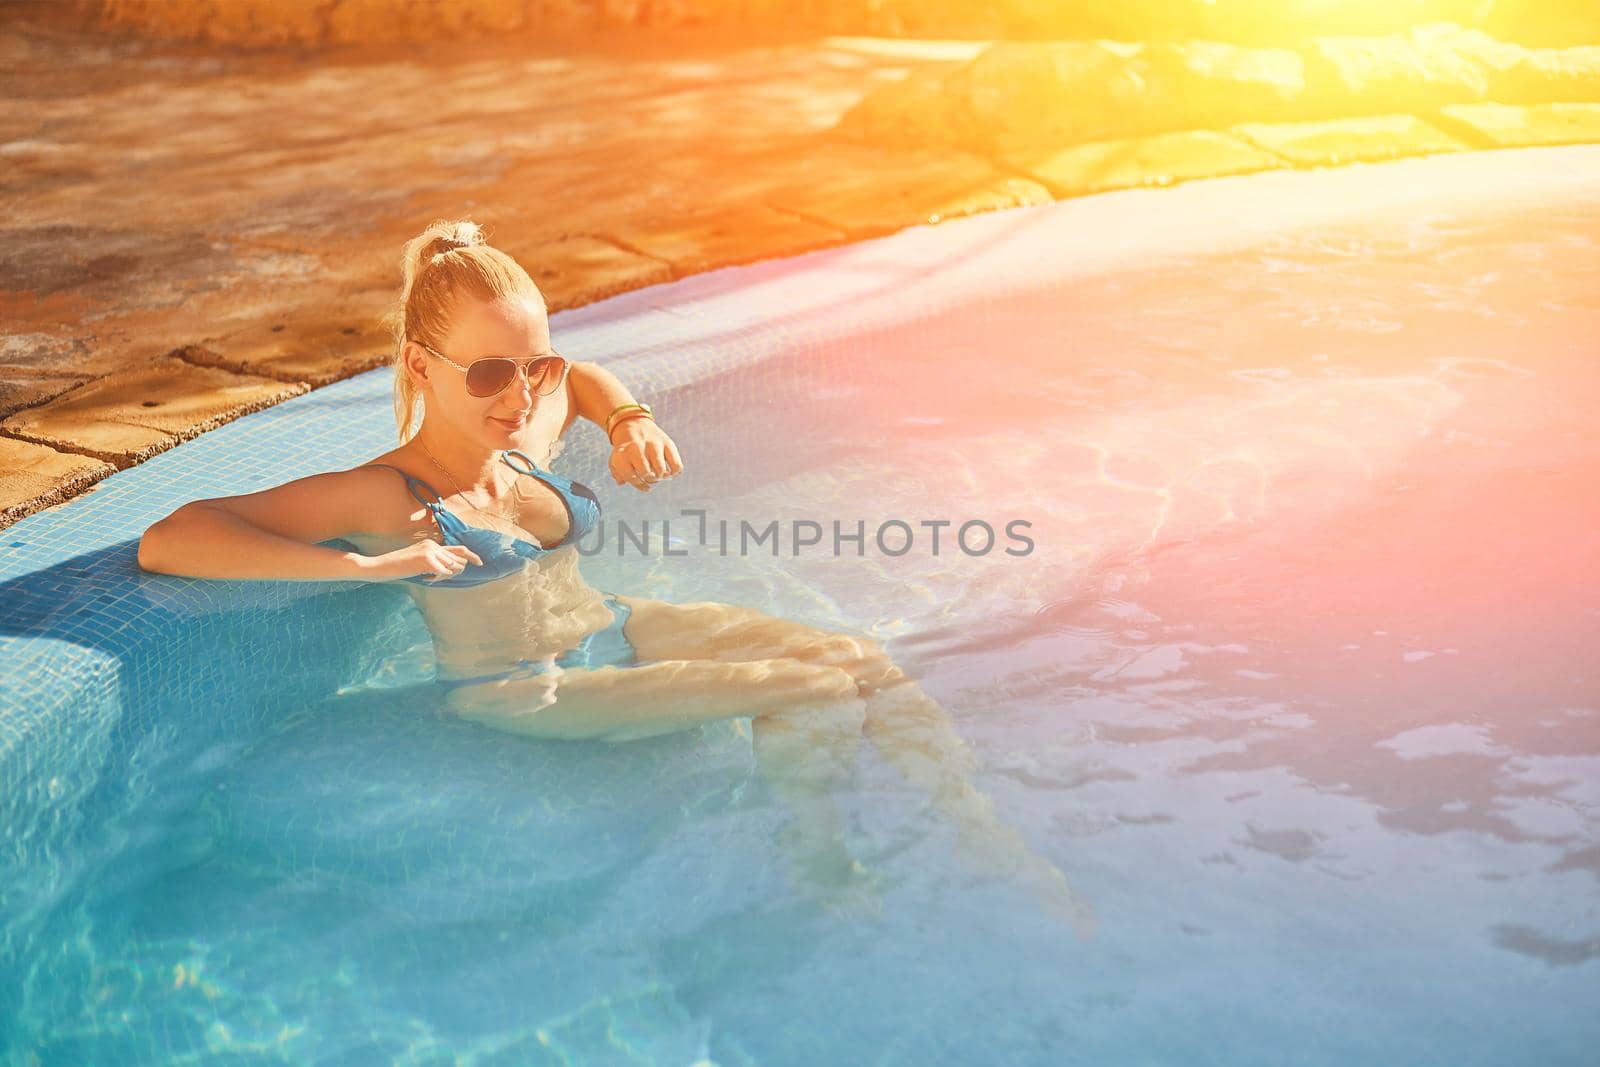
448 260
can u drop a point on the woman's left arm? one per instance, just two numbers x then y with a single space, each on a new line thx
641 451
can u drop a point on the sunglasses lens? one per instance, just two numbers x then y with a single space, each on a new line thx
487 377
544 374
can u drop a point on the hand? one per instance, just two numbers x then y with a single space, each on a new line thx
642 454
427 557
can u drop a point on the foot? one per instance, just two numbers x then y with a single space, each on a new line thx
829 876
849 892
1001 852
1049 887
859 896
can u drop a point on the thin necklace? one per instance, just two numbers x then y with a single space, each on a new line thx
459 490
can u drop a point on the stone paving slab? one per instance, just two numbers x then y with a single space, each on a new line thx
581 268
866 191
1509 126
1545 75
314 347
1376 137
133 414
21 387
46 360
1144 161
1401 72
36 476
705 238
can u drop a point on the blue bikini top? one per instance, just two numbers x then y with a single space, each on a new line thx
502 554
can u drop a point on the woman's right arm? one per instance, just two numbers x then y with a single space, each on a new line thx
272 534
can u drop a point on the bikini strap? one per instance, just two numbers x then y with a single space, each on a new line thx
533 468
412 483
559 482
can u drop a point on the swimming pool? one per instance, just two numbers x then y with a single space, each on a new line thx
1297 683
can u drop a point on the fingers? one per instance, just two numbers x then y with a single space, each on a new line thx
436 562
634 476
452 559
446 561
651 464
643 463
622 464
629 466
660 466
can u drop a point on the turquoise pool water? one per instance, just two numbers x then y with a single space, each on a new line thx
1297 685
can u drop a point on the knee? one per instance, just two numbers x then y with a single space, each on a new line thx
871 665
779 682
873 653
854 654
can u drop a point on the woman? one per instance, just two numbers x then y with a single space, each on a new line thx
483 537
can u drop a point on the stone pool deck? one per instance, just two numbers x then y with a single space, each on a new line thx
194 234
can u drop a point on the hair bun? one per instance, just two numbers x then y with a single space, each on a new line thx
467 235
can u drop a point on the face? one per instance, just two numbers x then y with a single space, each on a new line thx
517 328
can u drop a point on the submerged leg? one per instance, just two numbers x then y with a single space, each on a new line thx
805 753
908 728
624 704
705 629
914 734
805 725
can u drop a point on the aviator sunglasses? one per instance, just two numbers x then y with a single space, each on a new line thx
490 375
